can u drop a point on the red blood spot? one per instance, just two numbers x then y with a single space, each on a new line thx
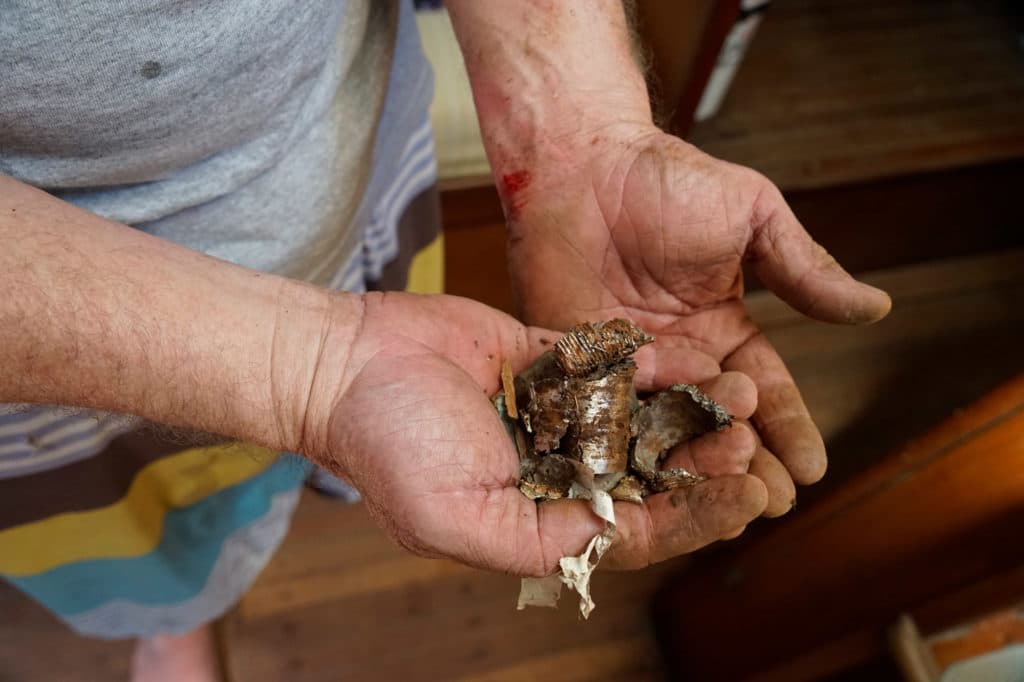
511 185
516 182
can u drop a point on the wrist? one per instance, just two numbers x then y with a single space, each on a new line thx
315 335
103 316
547 79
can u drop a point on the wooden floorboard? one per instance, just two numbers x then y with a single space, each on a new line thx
834 92
35 647
330 609
953 335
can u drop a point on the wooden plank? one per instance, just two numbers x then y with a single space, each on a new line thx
683 80
942 513
913 219
340 595
679 37
475 265
988 634
399 572
834 92
922 283
831 659
624 659
35 646
968 307
975 599
944 349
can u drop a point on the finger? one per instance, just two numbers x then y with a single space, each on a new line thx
684 520
734 534
667 361
781 491
734 391
718 453
782 420
802 272
533 540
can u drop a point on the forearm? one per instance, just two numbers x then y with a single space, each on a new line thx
96 314
547 77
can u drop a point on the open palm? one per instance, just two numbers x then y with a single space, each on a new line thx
650 228
416 432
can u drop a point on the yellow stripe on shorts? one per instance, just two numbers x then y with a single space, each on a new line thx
131 526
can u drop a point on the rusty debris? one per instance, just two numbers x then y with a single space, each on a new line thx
577 402
582 433
587 346
666 419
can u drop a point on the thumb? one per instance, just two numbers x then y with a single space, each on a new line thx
801 272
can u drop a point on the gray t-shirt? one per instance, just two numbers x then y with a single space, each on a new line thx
242 128
283 136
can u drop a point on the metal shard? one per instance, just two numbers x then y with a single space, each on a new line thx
604 408
671 417
581 434
590 346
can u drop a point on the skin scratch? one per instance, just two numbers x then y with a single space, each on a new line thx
511 189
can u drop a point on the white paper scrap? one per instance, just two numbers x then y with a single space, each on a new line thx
574 571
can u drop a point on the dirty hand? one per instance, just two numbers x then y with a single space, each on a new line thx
415 430
640 224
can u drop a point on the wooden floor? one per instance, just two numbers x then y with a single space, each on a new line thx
341 602
955 333
35 647
840 91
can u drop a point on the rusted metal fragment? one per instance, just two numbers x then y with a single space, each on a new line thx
603 404
581 434
590 346
629 489
549 412
606 482
669 479
544 367
670 417
549 477
545 406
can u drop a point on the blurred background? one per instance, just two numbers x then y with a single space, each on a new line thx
896 130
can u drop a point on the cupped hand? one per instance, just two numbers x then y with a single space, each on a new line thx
627 221
416 432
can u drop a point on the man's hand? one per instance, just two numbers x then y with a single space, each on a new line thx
416 432
608 216
650 228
